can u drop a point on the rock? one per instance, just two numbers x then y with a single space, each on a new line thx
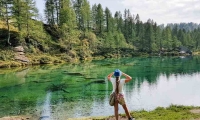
21 58
20 55
19 49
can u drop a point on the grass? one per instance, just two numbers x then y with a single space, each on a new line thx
172 112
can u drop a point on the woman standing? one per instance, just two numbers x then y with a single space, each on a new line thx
118 84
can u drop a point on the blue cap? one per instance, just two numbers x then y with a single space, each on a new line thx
117 73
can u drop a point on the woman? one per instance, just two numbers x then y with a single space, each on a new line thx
118 84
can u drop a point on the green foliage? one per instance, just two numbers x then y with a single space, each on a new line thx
76 27
67 15
6 55
99 20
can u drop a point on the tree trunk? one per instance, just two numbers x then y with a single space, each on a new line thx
8 26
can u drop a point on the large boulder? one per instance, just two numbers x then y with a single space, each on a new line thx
21 58
20 55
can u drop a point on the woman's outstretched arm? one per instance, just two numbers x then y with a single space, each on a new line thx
128 78
110 75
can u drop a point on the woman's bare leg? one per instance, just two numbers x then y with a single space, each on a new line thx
116 110
126 111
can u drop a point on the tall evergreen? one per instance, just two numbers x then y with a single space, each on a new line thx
167 43
149 37
157 33
118 21
85 14
100 19
67 14
130 28
50 12
108 19
24 11
31 12
5 15
93 18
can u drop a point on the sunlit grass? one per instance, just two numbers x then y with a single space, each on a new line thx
173 112
4 26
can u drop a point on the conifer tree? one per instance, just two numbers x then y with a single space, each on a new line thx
5 15
119 21
100 19
85 14
93 17
108 19
50 12
31 13
67 14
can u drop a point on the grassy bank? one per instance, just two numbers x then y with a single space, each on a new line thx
172 112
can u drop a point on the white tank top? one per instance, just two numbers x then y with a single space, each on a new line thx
121 84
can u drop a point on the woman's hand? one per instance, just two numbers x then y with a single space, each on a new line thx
128 78
110 75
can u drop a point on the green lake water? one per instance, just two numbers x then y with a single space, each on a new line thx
78 90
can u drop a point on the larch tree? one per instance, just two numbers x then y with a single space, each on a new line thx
31 13
93 17
100 19
108 19
6 15
50 12
119 21
67 15
85 15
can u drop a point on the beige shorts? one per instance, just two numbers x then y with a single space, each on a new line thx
120 99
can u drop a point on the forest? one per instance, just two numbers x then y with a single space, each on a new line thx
74 30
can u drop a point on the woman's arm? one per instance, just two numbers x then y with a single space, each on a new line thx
110 75
128 78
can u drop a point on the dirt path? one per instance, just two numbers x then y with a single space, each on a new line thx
15 118
196 111
120 118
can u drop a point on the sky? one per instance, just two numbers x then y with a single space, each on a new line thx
161 11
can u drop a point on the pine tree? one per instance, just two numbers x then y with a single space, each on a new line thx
119 21
1 9
167 43
5 15
100 19
82 10
18 13
130 28
108 19
31 12
24 11
149 37
125 27
67 14
158 39
85 14
93 18
50 12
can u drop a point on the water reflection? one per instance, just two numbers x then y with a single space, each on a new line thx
46 109
63 91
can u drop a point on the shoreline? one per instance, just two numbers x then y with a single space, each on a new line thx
173 112
53 60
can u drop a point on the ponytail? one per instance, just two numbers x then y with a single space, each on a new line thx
117 84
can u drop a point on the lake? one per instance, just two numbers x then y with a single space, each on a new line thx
78 90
